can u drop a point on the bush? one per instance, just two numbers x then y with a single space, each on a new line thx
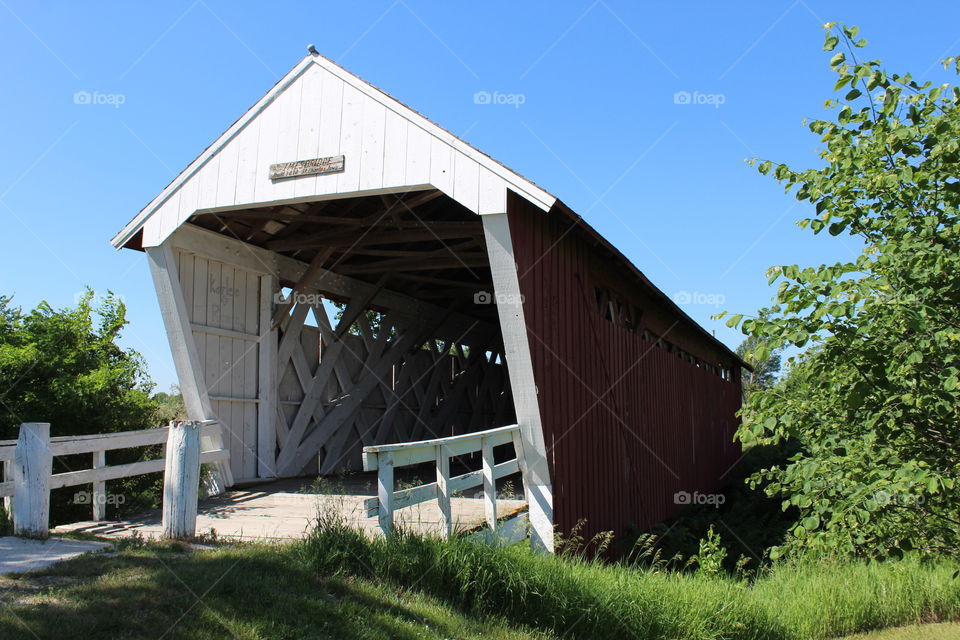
64 366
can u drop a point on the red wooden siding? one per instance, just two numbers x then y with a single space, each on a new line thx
627 424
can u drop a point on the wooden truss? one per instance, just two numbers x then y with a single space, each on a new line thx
378 377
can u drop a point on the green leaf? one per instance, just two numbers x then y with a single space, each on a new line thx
734 320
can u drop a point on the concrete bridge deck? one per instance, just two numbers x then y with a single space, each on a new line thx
281 510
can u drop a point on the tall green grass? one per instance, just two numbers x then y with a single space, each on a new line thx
575 597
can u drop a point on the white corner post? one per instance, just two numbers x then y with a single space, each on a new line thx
173 309
533 457
267 382
181 481
32 466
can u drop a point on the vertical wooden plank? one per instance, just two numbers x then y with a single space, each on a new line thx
288 136
308 143
466 182
418 156
441 165
99 494
385 491
372 145
443 489
489 485
189 200
227 176
351 133
238 409
331 116
248 144
162 223
267 382
266 152
395 150
208 177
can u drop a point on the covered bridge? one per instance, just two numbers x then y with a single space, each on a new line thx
336 271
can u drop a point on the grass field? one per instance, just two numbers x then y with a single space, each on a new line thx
337 585
162 591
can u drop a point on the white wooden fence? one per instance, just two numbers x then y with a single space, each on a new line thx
385 458
28 477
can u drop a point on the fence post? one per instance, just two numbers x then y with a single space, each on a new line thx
181 480
33 464
8 477
443 489
385 491
489 484
99 494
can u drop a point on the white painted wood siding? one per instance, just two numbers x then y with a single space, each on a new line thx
319 110
223 303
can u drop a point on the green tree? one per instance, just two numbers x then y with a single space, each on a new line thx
874 399
170 405
63 366
765 371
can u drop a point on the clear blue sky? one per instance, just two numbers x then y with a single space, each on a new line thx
598 125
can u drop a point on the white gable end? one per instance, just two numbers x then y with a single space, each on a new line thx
319 110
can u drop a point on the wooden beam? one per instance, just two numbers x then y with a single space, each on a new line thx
218 247
380 235
446 282
516 347
460 262
301 285
267 382
286 216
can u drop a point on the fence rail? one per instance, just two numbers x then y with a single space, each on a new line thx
35 445
385 458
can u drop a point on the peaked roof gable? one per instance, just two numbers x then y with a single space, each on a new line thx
319 109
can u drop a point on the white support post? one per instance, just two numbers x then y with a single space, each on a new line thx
196 398
489 484
181 481
267 394
385 491
533 455
443 490
8 477
99 494
33 464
